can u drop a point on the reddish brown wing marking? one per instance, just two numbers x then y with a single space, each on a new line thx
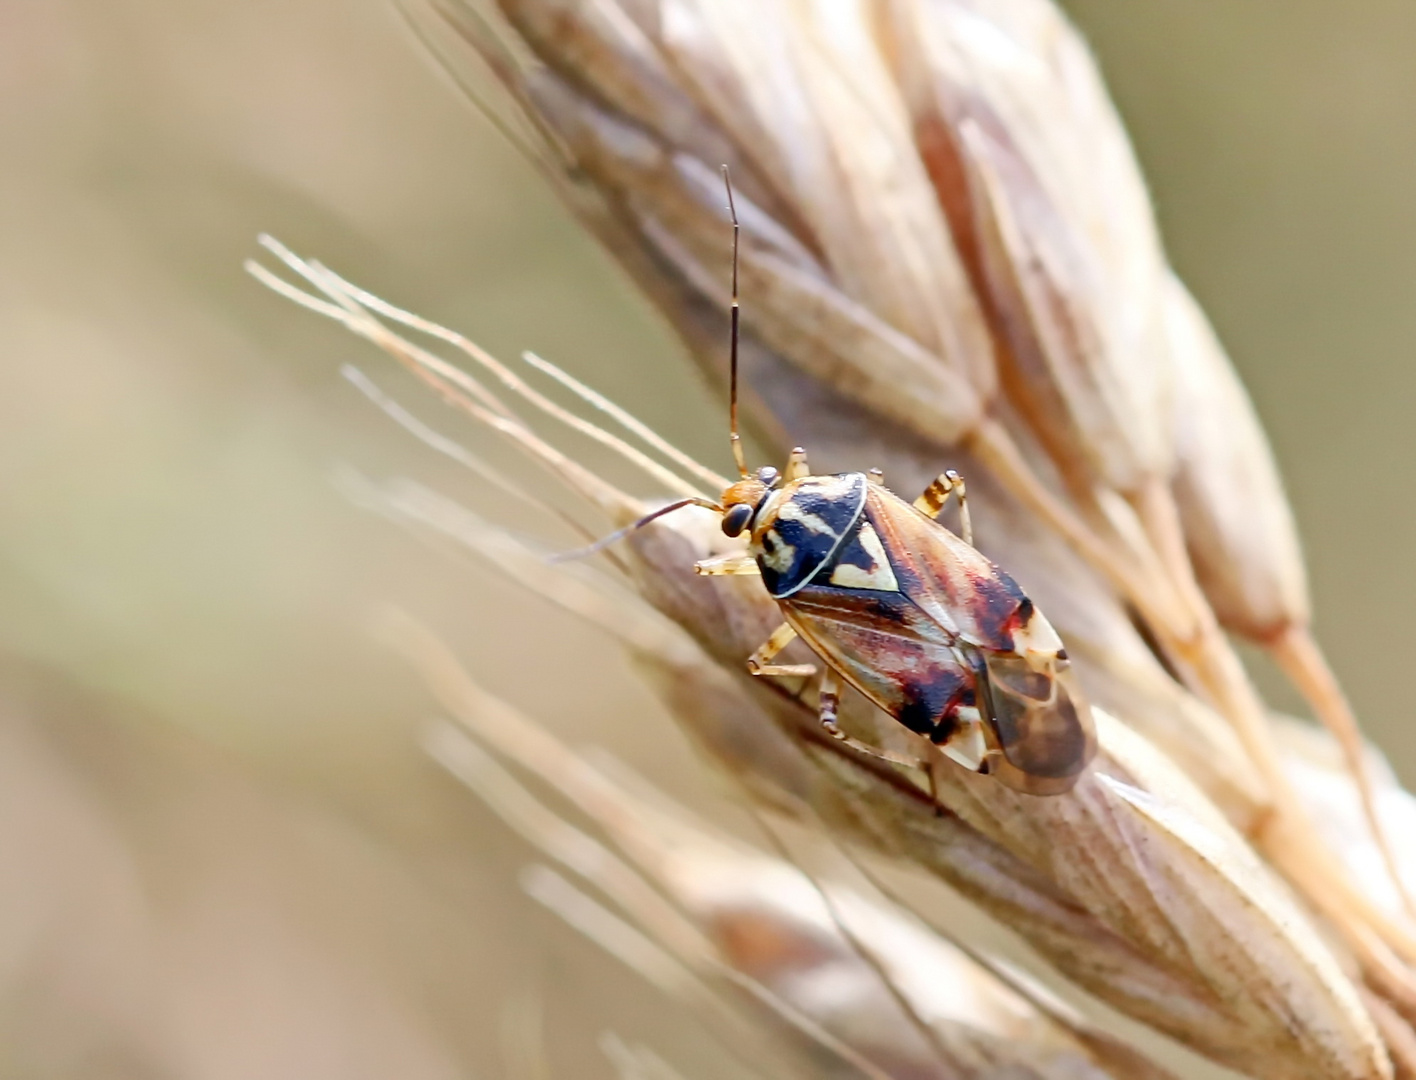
949 580
888 649
1035 718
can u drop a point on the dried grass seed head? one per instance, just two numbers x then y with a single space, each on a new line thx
1053 199
1054 265
910 1003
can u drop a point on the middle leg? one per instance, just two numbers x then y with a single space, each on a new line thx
735 563
760 662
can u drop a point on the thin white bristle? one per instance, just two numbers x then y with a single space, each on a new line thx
458 387
279 285
435 439
512 382
626 420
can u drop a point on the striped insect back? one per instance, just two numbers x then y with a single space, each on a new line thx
804 526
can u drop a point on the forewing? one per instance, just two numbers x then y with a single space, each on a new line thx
886 648
1038 722
949 580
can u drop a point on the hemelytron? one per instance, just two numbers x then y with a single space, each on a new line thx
903 609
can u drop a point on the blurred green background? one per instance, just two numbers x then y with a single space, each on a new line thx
221 853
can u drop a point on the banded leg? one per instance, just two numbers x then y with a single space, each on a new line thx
736 563
937 494
760 662
830 703
796 465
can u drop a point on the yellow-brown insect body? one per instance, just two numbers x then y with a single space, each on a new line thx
921 623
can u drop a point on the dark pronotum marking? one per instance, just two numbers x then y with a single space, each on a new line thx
837 511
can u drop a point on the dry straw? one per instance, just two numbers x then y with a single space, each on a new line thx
949 259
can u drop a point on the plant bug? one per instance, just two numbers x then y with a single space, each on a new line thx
898 606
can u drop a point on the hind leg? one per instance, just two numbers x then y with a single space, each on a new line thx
830 703
796 465
932 501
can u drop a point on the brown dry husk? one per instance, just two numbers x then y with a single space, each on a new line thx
949 259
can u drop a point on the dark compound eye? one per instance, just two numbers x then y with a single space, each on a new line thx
736 519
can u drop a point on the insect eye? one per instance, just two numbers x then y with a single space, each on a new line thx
736 519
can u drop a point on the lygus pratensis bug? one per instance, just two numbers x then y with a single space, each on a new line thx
902 609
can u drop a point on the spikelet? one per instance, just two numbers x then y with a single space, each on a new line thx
841 977
1238 527
949 259
1133 886
948 255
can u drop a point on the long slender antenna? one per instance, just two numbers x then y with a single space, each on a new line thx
738 456
614 537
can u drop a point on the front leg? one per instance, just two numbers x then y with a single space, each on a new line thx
760 662
736 563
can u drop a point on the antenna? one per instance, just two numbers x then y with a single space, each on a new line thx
733 435
620 534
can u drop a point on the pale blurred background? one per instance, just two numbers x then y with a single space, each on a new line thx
221 852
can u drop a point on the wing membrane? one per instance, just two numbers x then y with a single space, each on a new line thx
1043 729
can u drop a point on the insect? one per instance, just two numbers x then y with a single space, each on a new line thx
898 606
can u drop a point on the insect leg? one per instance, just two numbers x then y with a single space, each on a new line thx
877 476
736 563
796 465
932 765
829 703
760 662
937 494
